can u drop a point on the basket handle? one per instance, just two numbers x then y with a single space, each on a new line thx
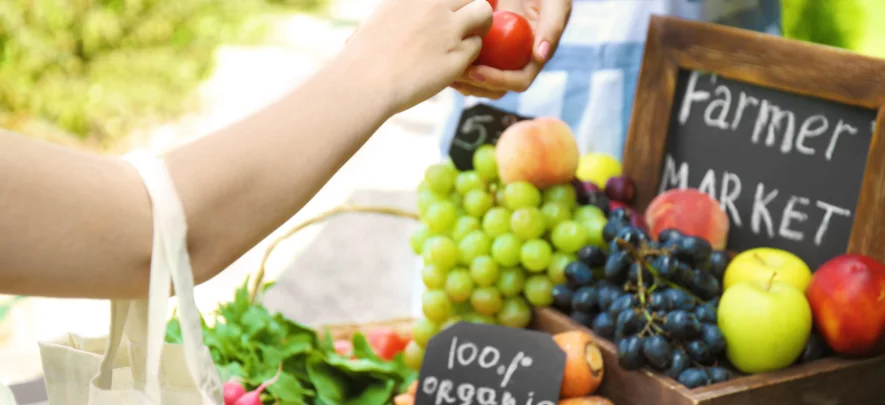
347 208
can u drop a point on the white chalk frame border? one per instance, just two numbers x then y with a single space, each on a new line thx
822 72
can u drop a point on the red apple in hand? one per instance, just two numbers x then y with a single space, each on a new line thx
847 297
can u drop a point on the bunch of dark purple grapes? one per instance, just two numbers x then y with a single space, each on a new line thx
656 300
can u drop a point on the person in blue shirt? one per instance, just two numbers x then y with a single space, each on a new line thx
590 80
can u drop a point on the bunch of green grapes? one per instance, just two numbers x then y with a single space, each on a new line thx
492 251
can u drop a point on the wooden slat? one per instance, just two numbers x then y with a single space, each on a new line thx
828 381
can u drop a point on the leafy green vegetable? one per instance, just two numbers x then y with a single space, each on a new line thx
248 342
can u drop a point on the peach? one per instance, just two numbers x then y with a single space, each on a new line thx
847 297
542 151
691 212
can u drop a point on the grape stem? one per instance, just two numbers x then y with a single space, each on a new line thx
642 254
670 283
640 286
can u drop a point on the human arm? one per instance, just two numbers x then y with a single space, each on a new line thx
76 224
548 19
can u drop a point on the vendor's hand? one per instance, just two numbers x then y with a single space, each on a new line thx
548 19
414 49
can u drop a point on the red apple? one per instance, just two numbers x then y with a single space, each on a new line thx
847 297
691 212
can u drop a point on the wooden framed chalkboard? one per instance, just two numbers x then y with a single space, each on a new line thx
785 134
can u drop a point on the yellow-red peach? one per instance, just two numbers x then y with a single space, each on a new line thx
691 212
542 151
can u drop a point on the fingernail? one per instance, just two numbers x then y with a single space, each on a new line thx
544 50
476 76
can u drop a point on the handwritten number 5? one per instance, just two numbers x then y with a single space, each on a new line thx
474 124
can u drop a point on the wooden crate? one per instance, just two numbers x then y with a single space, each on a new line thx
830 381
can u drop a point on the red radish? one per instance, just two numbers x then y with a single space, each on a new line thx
233 390
385 342
343 347
254 397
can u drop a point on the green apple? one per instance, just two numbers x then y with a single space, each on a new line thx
766 324
758 264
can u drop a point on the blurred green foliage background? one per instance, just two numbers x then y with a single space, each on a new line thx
858 25
87 72
92 70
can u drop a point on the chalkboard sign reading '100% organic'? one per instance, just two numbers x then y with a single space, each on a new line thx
786 168
475 364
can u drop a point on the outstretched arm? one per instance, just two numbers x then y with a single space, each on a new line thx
75 224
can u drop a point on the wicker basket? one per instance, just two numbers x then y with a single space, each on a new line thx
339 331
402 326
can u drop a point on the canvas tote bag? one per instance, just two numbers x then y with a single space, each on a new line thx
133 364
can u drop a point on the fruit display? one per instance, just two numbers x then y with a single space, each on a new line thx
655 299
663 289
496 239
646 296
265 358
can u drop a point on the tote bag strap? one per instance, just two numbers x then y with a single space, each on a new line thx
170 261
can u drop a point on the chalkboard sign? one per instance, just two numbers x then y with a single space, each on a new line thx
469 363
787 169
479 125
782 133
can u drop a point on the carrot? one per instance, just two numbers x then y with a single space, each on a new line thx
591 400
404 399
583 364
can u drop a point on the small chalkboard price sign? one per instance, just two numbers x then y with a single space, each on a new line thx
469 363
785 135
479 125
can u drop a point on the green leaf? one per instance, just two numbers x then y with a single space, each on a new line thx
173 331
329 382
229 370
328 343
362 349
288 389
267 286
378 392
361 365
254 320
